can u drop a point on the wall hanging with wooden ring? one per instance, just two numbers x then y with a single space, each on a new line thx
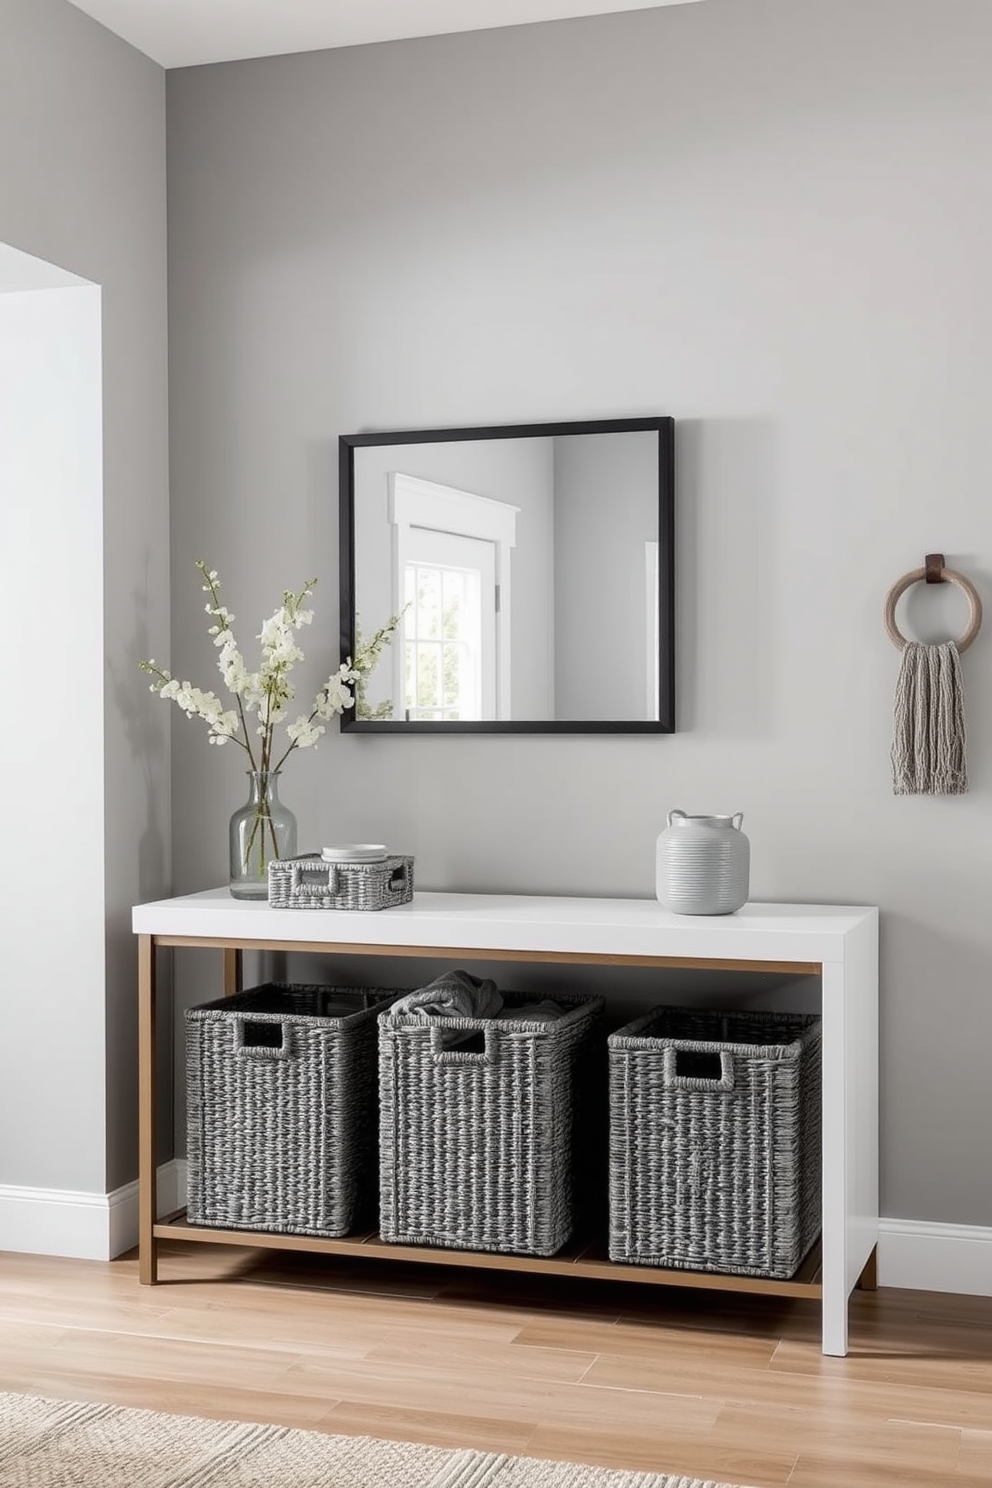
928 728
934 571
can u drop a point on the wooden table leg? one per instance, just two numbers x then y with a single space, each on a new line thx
232 971
147 1173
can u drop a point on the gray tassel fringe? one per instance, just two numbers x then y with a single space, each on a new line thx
928 732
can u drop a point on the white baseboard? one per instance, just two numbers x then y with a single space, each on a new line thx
935 1257
97 1227
87 1226
171 1190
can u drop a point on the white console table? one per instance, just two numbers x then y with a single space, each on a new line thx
839 945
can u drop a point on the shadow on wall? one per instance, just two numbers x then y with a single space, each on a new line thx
145 743
728 535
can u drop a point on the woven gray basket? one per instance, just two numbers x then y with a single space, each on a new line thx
475 1140
282 1109
307 882
715 1141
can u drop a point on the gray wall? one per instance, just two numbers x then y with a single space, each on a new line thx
82 185
606 510
768 219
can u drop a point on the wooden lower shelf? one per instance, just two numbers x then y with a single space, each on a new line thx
585 1260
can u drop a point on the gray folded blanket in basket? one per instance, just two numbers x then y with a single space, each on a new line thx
457 994
534 1012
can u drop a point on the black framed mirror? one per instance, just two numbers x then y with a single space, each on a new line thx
532 568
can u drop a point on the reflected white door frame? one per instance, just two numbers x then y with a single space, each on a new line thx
449 626
422 504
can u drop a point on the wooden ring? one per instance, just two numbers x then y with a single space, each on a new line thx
953 577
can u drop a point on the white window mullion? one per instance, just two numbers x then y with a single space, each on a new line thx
429 520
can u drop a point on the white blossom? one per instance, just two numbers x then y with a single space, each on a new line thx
268 691
334 696
304 733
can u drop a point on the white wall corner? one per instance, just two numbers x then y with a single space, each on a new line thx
935 1257
86 1226
123 1228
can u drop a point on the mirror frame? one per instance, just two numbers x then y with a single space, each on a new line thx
664 426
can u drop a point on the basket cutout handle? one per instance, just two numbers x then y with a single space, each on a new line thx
475 1044
686 1067
400 876
255 1039
308 876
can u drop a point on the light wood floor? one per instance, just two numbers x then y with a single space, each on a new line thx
710 1385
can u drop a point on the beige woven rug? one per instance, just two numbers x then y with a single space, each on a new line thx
58 1444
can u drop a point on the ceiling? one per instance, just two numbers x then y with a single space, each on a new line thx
185 33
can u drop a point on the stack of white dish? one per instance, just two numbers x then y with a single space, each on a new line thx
355 852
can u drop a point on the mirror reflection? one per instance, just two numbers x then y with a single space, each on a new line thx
531 570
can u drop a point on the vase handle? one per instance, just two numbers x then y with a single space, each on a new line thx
737 819
673 814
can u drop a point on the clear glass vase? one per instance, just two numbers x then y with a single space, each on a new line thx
262 829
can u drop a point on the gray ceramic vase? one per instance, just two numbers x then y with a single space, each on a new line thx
702 864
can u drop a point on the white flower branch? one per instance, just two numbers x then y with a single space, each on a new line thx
267 692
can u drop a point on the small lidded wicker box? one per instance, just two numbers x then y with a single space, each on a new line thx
314 881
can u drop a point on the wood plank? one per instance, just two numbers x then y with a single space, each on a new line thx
481 953
516 1401
147 1087
581 1263
726 1386
432 1428
637 1342
975 1455
521 1361
967 1375
233 980
678 1453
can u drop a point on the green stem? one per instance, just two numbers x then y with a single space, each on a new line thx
285 756
246 744
262 817
246 856
272 833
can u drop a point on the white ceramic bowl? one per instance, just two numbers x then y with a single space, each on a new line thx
355 852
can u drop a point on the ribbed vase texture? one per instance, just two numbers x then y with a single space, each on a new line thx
703 864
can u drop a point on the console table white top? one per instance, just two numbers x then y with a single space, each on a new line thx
837 943
523 922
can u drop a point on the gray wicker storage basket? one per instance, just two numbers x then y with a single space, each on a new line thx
307 882
475 1140
715 1141
282 1109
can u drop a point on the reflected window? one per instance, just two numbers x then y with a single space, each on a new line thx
451 570
449 643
